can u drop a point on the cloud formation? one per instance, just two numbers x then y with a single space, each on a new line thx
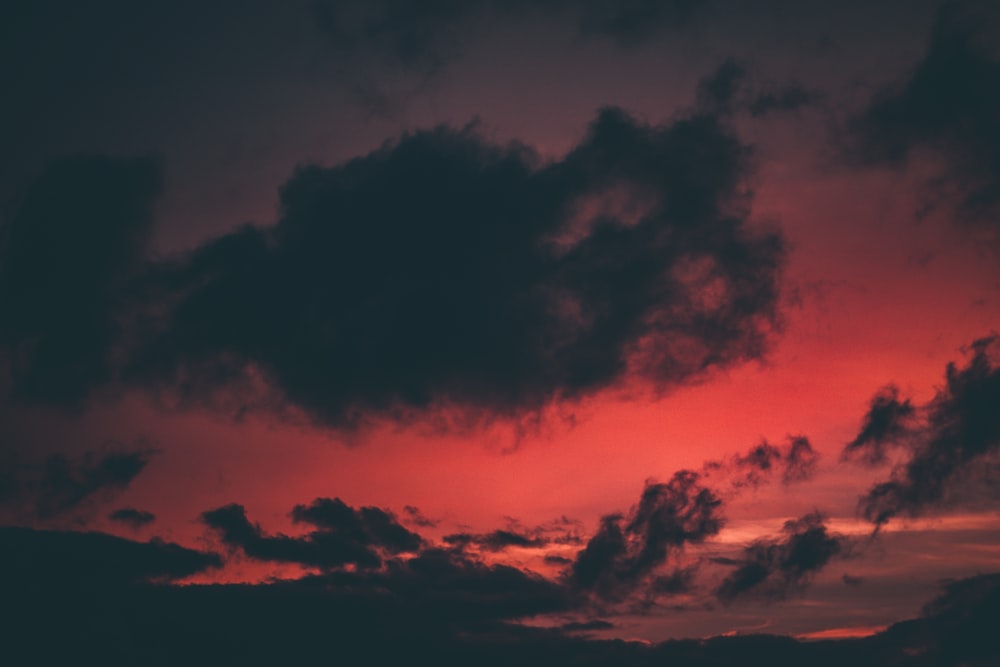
771 568
958 428
132 517
948 104
62 485
731 89
343 536
886 424
625 550
438 603
443 271
59 559
69 251
796 461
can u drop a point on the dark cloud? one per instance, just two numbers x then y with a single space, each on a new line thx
133 518
961 428
796 461
368 525
731 89
61 485
956 628
789 97
800 460
88 590
586 626
949 104
429 34
68 251
388 287
771 568
455 586
626 549
851 580
679 581
497 540
718 92
46 559
887 423
417 518
344 535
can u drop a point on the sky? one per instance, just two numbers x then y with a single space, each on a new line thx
596 332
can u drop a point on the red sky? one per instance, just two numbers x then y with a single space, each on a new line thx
885 279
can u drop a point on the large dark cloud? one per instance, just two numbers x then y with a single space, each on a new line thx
62 485
438 605
948 104
58 558
625 550
68 251
771 568
343 536
959 429
444 271
439 271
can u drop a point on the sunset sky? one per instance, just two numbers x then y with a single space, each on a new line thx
500 330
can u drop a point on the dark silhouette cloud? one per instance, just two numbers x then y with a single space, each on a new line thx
586 626
90 591
417 518
58 559
718 92
68 251
851 580
61 485
887 423
771 568
731 89
626 549
789 97
389 284
961 428
796 461
800 460
454 586
949 103
344 535
633 259
369 525
497 540
133 518
427 35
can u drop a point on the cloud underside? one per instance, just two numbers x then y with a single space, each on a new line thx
441 272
